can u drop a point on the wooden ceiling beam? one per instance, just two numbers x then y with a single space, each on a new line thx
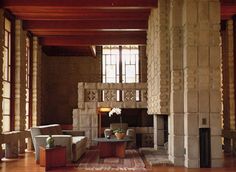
75 10
83 16
228 9
85 33
76 25
91 40
130 4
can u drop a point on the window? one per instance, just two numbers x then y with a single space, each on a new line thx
120 64
28 121
6 96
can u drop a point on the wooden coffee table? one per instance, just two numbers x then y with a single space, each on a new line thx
112 147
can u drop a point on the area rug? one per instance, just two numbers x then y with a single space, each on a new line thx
132 161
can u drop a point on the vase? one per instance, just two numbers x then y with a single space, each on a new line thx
50 142
119 135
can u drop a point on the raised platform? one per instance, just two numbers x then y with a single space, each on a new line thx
157 157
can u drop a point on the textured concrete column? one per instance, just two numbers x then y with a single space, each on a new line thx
158 59
230 54
36 82
202 90
191 139
158 68
20 81
176 118
1 73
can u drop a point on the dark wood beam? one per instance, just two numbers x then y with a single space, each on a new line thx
228 9
91 40
139 15
85 33
76 25
80 3
75 10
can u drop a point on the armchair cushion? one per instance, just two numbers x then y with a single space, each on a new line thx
73 132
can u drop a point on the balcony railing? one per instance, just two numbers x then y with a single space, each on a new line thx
113 94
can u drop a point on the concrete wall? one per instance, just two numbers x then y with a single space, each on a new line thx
60 77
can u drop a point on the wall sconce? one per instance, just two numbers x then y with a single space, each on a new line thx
104 109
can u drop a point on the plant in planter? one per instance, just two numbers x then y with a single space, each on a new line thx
119 132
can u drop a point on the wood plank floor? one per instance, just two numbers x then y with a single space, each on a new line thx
26 163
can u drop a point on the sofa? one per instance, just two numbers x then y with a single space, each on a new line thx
74 141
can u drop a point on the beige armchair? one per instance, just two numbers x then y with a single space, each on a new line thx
74 141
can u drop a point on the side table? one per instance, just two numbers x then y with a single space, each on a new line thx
52 157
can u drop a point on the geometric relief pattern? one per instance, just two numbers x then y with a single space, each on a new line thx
91 95
110 95
129 95
147 140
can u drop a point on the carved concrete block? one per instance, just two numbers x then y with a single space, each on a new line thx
191 124
90 86
215 101
192 149
214 12
85 121
90 105
178 141
95 120
191 101
178 124
204 102
216 147
215 122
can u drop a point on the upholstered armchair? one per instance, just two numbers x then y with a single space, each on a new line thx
74 141
129 132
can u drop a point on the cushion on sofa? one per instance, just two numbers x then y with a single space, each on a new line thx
51 129
78 141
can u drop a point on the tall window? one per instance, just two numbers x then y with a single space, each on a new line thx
6 102
28 83
120 64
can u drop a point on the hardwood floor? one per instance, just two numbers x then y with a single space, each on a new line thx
26 163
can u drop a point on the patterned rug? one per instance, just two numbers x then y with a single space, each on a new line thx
132 161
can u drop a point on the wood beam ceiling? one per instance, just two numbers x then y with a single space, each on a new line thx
82 25
92 40
83 14
96 4
83 22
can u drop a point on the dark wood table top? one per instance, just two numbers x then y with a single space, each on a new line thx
112 139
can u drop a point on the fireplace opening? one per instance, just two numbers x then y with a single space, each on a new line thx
138 119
